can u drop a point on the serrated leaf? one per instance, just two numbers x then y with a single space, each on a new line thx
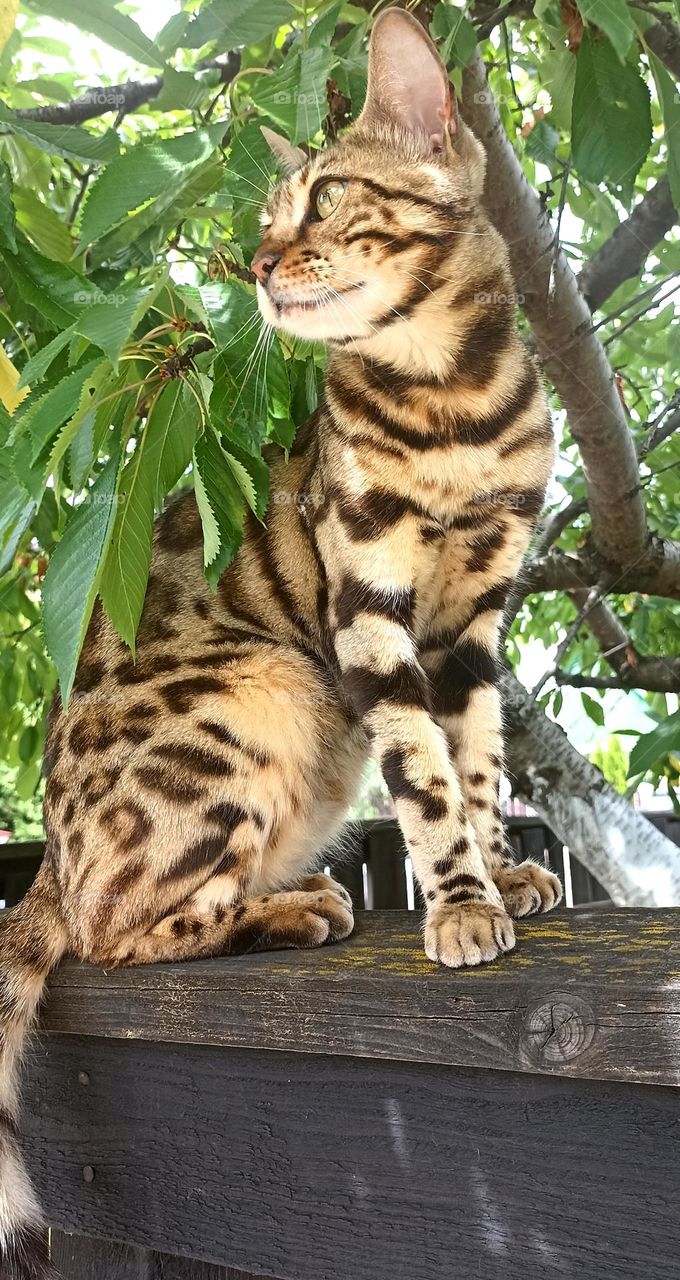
53 409
126 572
614 18
220 505
142 173
70 142
37 365
43 226
669 98
85 412
650 748
10 393
456 33
7 211
185 89
106 23
611 118
110 322
70 586
53 288
295 96
173 426
89 440
229 24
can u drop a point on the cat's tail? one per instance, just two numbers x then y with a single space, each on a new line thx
32 941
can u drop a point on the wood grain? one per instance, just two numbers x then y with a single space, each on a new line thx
593 993
330 1168
83 1258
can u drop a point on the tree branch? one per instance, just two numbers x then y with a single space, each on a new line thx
122 98
559 315
622 256
654 675
599 826
658 574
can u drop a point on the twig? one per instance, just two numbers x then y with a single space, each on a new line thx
593 597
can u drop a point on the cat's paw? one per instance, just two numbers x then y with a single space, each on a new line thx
466 934
326 914
322 881
527 889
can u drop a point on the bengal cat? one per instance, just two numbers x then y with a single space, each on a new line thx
189 793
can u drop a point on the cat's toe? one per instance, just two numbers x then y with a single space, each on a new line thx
527 889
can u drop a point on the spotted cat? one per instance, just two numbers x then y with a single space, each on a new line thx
189 793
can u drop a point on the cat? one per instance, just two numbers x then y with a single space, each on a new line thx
190 792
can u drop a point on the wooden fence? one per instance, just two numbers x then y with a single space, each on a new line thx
357 1113
373 863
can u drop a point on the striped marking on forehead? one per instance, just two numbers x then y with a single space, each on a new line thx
293 202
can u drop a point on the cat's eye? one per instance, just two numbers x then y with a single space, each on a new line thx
328 197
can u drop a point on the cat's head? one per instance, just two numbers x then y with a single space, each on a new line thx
354 232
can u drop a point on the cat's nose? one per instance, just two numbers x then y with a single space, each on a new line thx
263 265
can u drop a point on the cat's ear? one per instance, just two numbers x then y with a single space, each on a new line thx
289 157
407 82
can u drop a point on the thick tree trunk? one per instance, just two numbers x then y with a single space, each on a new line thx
636 864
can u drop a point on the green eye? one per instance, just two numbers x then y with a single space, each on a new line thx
328 197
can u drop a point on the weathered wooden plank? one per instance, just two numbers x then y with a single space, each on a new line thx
83 1258
80 1258
592 993
317 1168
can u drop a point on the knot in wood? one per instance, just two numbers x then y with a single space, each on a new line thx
558 1029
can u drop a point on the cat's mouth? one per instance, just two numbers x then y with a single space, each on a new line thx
287 306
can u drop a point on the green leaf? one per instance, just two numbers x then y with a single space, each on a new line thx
458 36
157 462
7 212
141 174
296 95
229 24
611 118
558 76
185 89
56 291
85 413
94 428
614 18
669 98
110 322
323 29
52 410
650 748
220 505
593 709
72 579
43 226
100 19
172 427
70 142
36 367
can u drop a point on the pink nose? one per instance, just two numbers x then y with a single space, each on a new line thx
263 265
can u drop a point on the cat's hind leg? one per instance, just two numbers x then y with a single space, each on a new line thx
207 926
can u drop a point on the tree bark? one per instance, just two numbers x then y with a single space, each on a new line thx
632 860
623 254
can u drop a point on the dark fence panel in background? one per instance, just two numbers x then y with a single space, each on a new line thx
373 863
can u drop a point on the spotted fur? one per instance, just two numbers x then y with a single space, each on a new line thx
190 791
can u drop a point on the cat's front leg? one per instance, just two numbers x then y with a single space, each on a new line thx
384 680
